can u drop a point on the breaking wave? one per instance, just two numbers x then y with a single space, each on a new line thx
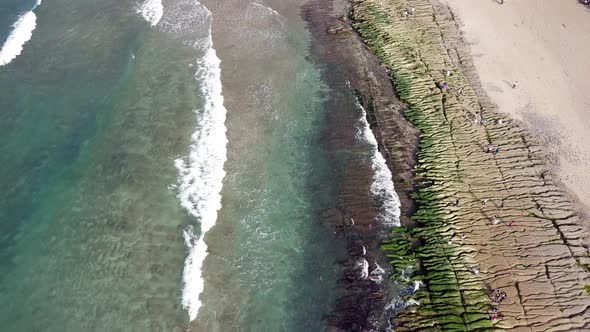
201 176
382 187
22 31
201 173
152 11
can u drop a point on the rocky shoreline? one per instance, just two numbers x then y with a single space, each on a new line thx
486 219
477 225
354 74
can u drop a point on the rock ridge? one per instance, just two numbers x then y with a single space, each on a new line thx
487 219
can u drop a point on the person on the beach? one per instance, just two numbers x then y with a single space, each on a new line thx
412 11
510 224
515 84
495 220
496 317
443 86
497 295
490 148
495 151
494 295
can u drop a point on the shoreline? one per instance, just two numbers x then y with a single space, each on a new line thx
536 252
356 77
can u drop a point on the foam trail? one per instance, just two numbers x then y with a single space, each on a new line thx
272 11
201 173
21 33
152 11
382 186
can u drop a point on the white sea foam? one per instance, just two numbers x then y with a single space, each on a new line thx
417 285
201 173
382 187
378 274
152 11
362 265
22 31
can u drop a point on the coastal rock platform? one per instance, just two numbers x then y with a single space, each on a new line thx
489 214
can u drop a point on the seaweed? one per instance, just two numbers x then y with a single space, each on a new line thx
452 298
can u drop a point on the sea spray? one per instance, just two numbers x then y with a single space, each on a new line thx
382 187
201 173
152 11
21 33
377 274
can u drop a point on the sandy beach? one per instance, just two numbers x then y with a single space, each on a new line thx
545 46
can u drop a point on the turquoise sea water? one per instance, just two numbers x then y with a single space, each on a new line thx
93 113
90 233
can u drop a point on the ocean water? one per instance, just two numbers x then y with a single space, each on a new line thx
94 111
271 262
162 170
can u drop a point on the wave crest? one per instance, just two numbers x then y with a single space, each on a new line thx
382 187
201 173
152 11
21 33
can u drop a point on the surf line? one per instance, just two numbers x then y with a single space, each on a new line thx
382 186
152 11
201 173
22 31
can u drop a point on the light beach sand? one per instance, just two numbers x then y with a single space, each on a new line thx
545 45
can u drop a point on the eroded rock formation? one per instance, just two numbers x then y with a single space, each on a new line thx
487 220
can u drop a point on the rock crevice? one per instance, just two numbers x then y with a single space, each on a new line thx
486 202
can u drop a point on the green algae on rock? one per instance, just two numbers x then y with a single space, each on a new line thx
451 302
467 199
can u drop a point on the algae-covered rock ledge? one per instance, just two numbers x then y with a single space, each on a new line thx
489 216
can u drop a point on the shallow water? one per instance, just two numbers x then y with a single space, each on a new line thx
95 111
271 265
